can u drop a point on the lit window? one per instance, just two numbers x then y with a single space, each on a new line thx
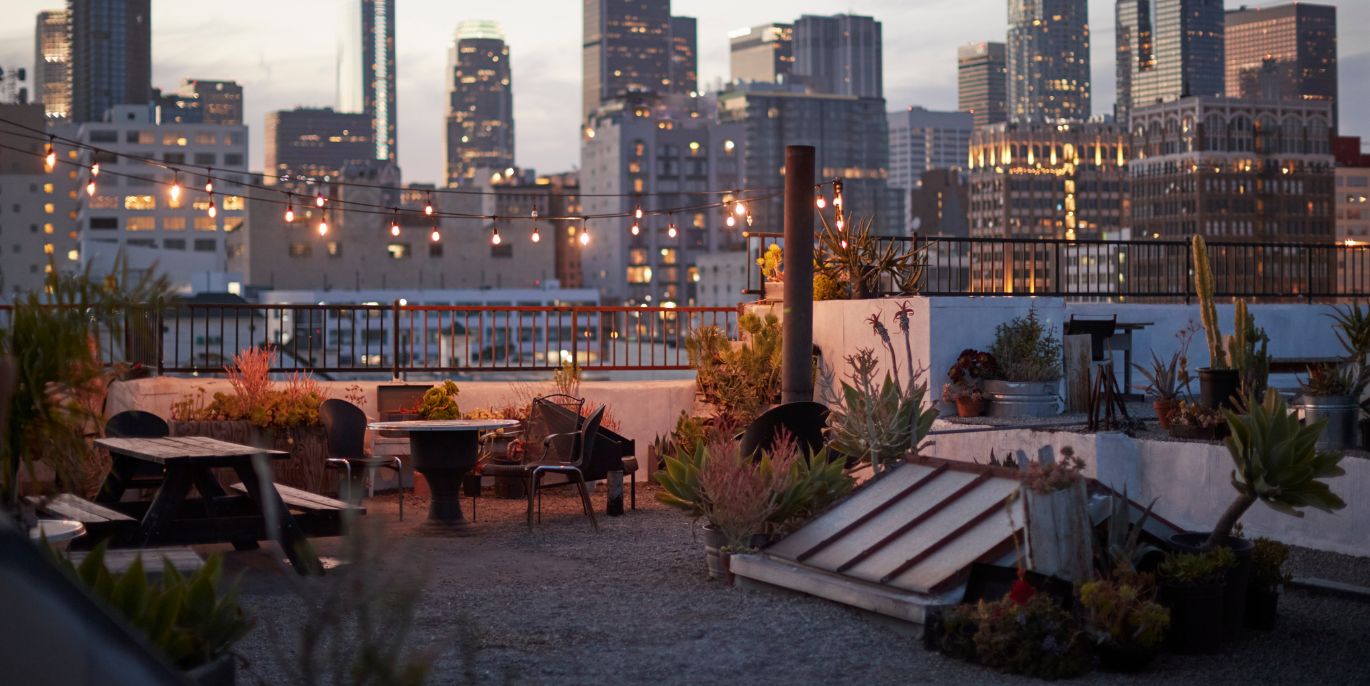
173 223
233 202
140 202
49 208
73 255
205 224
398 251
334 249
140 223
47 228
300 250
47 248
47 188
206 138
639 274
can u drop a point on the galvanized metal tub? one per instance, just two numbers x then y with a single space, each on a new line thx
1342 414
1023 398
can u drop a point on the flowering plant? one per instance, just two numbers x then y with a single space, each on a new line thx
255 398
967 374
772 263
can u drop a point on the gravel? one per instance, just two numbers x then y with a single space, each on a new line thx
632 604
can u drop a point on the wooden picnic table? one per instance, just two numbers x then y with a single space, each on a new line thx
216 516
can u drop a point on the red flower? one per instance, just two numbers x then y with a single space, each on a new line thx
1022 591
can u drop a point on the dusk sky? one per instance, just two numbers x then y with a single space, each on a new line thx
283 54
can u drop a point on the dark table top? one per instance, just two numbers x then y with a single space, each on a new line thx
175 448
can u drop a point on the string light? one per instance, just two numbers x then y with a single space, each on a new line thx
319 200
841 225
536 237
209 180
637 212
95 170
635 229
749 220
90 185
394 222
739 208
50 158
323 224
436 235
494 236
821 201
290 208
213 210
428 207
730 221
670 229
175 191
584 232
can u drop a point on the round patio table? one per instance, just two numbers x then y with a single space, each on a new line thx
443 451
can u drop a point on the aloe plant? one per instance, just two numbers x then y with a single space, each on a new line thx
1277 462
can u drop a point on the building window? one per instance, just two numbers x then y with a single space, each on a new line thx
206 138
640 274
399 251
171 138
233 159
104 223
173 223
104 136
174 157
174 244
206 245
140 202
143 223
205 224
49 208
435 249
301 250
503 250
334 249
233 202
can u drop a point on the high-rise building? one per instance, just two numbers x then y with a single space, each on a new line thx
315 142
684 56
366 70
201 102
480 102
37 222
982 82
52 64
111 56
922 140
1048 61
840 54
939 204
1353 192
1168 49
764 54
627 49
670 151
132 215
1049 181
1286 52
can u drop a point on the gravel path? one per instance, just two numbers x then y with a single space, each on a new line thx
632 604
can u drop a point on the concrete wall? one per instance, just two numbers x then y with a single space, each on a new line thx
642 409
1191 480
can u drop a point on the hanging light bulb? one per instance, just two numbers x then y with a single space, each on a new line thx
670 230
213 209
494 236
635 229
749 220
95 170
319 200
841 225
536 237
820 201
394 223
323 225
730 221
290 208
428 206
837 194
175 191
637 212
584 232
436 235
50 159
90 185
209 180
739 208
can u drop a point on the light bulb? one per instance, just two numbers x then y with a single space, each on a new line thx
50 159
90 186
637 213
670 230
323 227
749 220
537 237
175 191
635 229
428 206
739 208
209 186
435 236
95 169
585 236
318 200
494 236
840 224
289 214
821 201
730 221
213 211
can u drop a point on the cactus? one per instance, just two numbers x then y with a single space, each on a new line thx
1247 352
1203 286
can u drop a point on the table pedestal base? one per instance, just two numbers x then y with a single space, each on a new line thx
444 458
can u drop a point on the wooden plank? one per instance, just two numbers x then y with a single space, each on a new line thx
946 540
1060 533
1079 353
69 506
162 450
873 512
302 499
854 506
763 568
923 516
117 560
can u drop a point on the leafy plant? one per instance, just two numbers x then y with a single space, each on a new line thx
853 255
740 495
566 379
1036 638
772 263
880 421
1196 416
967 375
1027 350
1169 379
740 382
1330 380
1123 613
825 287
1119 546
255 398
1277 462
187 618
1056 476
440 402
1201 568
1267 564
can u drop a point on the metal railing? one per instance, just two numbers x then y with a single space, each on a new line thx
1115 270
395 339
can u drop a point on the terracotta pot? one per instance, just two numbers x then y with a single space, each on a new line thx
970 407
1164 410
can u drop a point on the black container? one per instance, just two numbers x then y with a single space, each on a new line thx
1262 609
1196 617
1219 387
1237 580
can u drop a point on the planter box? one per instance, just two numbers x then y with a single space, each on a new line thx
1023 398
306 445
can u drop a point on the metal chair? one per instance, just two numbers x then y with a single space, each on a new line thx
136 424
804 420
345 432
581 445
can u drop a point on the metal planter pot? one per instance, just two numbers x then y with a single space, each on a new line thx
1342 414
1010 399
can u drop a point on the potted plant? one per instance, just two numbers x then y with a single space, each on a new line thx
1124 621
1238 364
1330 394
1195 422
738 381
440 402
1167 380
1029 369
772 263
851 257
1352 327
1192 585
1267 582
967 377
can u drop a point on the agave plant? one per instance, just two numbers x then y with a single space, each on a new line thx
1277 462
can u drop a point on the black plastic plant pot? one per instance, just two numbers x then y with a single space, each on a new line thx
1262 607
1219 387
1196 617
1115 658
1237 580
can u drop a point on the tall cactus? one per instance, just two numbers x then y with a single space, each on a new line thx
1247 350
1203 286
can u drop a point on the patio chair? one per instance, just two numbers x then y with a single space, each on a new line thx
804 420
580 447
136 424
344 427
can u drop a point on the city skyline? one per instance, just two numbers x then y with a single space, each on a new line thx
280 71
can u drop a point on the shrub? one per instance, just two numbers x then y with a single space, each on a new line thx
1027 350
1190 569
1123 613
740 382
1267 564
1037 638
255 398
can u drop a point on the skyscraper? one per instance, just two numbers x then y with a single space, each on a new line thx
480 102
315 142
366 69
627 48
684 56
1048 61
1168 49
839 55
111 55
982 82
52 64
1287 52
200 101
923 140
762 53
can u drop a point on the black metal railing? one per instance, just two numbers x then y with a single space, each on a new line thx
1143 270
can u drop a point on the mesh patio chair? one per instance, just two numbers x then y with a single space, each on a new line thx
578 447
139 424
344 427
803 420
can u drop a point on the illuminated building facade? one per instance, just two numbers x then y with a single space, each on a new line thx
480 105
1048 61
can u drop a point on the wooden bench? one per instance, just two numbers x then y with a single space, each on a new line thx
183 559
1299 365
318 515
100 521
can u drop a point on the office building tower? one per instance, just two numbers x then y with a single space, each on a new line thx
111 55
684 56
1048 61
1049 181
1287 52
480 102
39 206
1168 49
366 70
840 54
764 54
1353 192
921 140
982 82
52 64
132 215
670 150
627 49
315 142
200 101
939 204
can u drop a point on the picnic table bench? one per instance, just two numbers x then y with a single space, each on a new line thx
101 522
183 559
